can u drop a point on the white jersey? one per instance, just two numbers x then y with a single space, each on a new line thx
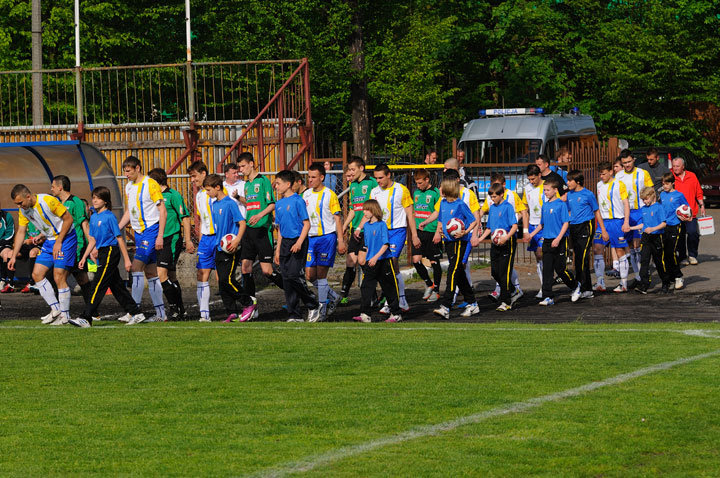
321 208
46 215
610 199
203 207
393 202
533 198
238 187
634 182
142 201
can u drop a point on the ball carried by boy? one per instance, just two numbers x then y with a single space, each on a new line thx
683 212
497 234
225 242
455 224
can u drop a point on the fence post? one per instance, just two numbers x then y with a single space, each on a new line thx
80 135
281 131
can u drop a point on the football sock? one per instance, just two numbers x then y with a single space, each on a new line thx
170 292
599 261
156 294
467 274
347 281
179 298
497 288
203 295
437 274
539 272
322 288
249 283
64 299
634 259
515 279
48 293
423 273
138 284
332 295
276 279
623 267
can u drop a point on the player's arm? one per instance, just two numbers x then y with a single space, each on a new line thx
232 247
626 210
17 244
348 221
411 222
373 260
278 246
485 234
341 247
189 246
88 250
506 237
429 219
359 229
601 223
125 219
159 241
303 235
528 236
526 220
558 238
124 252
254 220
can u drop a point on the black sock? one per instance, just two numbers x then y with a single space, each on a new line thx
180 304
348 279
249 283
423 273
170 292
86 291
437 274
3 270
276 279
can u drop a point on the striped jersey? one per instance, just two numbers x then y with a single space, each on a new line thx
425 203
203 207
321 208
393 202
142 199
509 196
610 199
533 198
45 215
634 182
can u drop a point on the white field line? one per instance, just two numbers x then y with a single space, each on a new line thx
315 461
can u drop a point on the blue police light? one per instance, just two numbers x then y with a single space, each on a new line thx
576 110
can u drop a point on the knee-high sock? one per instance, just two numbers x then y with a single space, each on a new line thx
64 299
515 279
539 271
48 293
468 275
423 273
249 284
635 261
332 295
276 279
31 266
401 289
203 296
623 267
138 285
171 293
179 302
437 274
323 289
347 281
599 261
156 294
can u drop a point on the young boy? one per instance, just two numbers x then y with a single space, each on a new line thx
555 222
501 215
227 219
533 201
291 251
671 200
177 214
584 212
653 224
426 198
145 212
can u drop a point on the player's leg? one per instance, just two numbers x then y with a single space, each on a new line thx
354 246
623 268
549 258
693 240
39 273
660 259
367 289
266 252
388 283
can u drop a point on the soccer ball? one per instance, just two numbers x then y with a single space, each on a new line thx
683 212
453 225
497 234
225 242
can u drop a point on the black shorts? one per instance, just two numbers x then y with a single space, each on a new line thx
25 250
6 244
428 249
355 245
168 256
257 242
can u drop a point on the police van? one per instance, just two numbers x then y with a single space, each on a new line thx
517 136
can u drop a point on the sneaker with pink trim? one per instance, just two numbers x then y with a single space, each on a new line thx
364 318
247 312
230 318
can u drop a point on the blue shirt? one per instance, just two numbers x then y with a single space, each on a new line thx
563 174
501 216
225 216
290 212
104 228
671 201
653 215
456 209
376 236
331 181
582 205
554 215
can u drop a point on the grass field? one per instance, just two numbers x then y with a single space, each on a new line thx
353 400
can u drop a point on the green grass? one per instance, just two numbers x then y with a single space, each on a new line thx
217 400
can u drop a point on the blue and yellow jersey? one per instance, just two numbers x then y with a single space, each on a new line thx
610 199
141 200
45 215
321 208
393 202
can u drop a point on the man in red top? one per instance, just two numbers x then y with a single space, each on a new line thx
687 183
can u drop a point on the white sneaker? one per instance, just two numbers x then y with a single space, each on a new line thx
154 318
96 319
295 320
588 294
547 301
539 294
433 297
364 318
386 309
679 283
517 293
61 320
599 287
620 289
205 319
256 314
443 312
136 319
471 309
494 295
394 318
504 307
79 322
404 306
50 318
313 315
428 290
693 261
125 318
576 294
685 262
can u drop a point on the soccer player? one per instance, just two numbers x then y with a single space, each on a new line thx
543 163
533 201
7 235
145 212
361 184
258 240
584 212
671 200
293 222
615 211
234 186
59 250
377 265
501 215
167 257
105 236
652 226
635 180
426 199
325 216
555 222
60 188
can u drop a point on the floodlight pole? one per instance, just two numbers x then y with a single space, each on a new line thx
78 76
37 80
188 65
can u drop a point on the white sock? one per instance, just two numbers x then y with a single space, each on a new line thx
539 272
323 288
515 279
467 274
203 296
48 293
332 295
497 288
599 261
624 268
401 290
64 299
156 294
138 286
635 260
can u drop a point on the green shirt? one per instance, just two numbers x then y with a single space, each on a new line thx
359 193
76 208
424 206
7 226
176 211
258 196
31 231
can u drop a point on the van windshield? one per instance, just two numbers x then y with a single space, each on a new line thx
502 151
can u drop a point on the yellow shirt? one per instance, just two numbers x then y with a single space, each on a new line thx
142 199
321 208
46 215
393 202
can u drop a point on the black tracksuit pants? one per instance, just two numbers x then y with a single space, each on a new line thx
652 246
231 292
292 265
555 262
384 273
108 276
502 259
671 237
456 274
581 237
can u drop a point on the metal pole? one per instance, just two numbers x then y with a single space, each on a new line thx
188 66
78 76
37 88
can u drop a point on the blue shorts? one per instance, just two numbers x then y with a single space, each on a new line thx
397 239
145 244
67 256
635 219
537 240
321 250
206 252
598 234
617 236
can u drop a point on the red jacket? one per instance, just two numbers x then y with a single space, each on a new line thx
690 187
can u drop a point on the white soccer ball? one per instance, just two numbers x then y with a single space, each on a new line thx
225 242
683 212
453 225
497 234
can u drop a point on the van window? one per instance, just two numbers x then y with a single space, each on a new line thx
502 151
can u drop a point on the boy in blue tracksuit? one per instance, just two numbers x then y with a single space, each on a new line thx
671 200
651 242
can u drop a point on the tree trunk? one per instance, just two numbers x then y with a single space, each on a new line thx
358 88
